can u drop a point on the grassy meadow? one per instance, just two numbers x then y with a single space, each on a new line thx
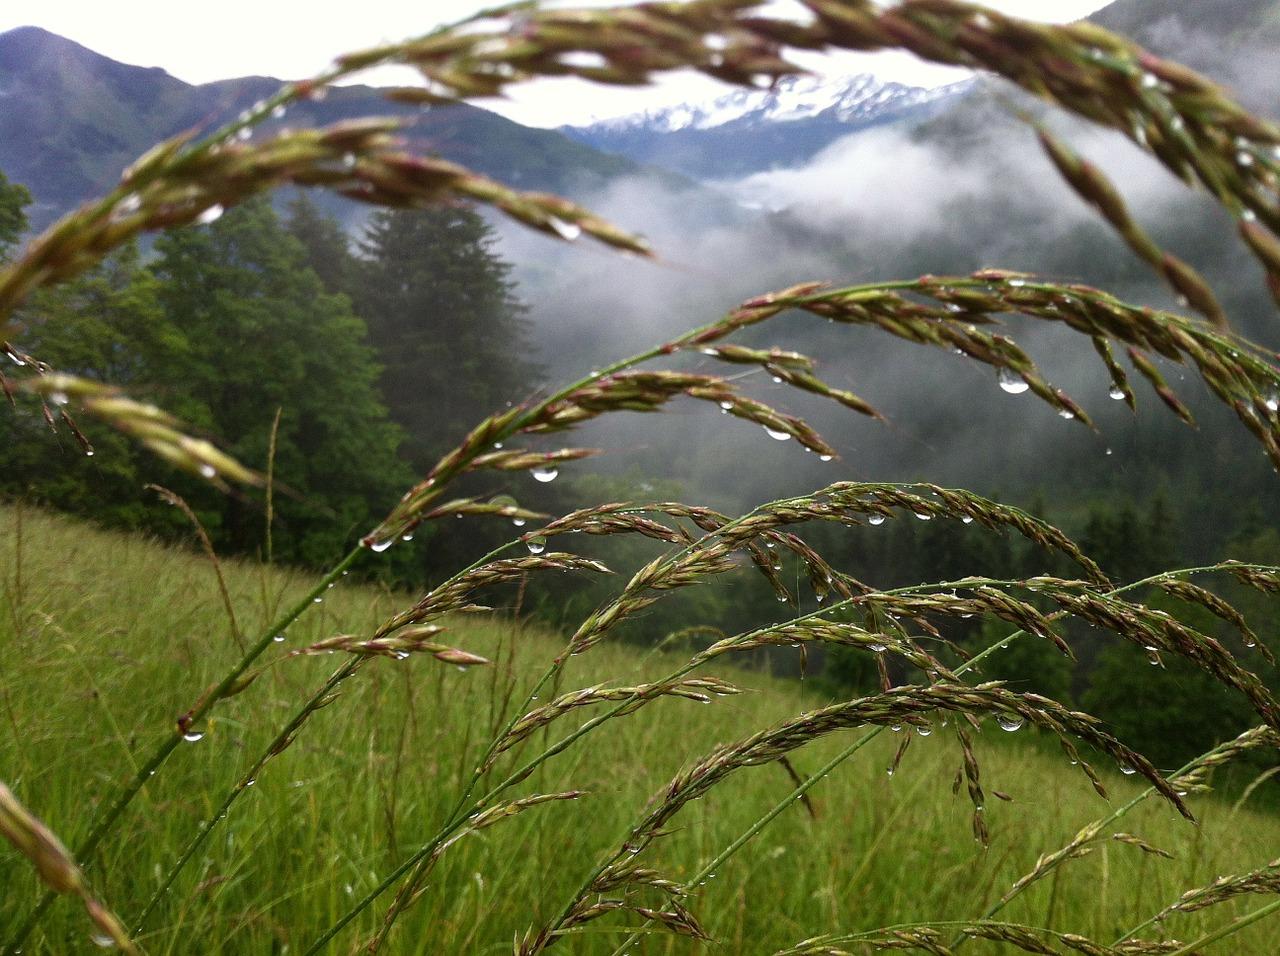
106 638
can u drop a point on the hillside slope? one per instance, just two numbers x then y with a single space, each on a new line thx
71 119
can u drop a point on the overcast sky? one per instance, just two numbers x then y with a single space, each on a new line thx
198 42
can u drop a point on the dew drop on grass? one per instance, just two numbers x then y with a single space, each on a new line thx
1127 770
775 434
279 638
825 457
924 730
278 111
543 473
889 771
922 516
536 545
207 471
1273 402
192 736
1066 413
409 536
878 648
876 519
519 522
895 727
209 215
102 941
725 406
568 231
380 546
1116 392
1008 722
966 519
317 600
1011 382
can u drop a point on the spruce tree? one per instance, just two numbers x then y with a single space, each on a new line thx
443 315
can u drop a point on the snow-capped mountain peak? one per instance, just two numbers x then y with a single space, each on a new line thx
845 99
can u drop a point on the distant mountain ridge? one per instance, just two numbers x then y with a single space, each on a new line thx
72 119
747 131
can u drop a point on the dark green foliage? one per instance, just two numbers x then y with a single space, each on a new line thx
264 335
444 319
14 198
1170 711
228 326
326 246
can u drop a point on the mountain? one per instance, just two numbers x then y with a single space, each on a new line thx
748 131
71 119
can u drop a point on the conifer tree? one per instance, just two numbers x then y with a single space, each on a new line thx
449 331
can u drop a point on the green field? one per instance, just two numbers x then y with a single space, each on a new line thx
105 639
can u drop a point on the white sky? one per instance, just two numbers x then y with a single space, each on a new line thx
204 41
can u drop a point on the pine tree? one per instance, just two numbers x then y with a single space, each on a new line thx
443 316
324 242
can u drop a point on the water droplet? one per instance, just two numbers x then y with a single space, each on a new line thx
191 736
250 782
775 434
278 111
924 730
922 516
725 406
1248 215
380 546
1244 158
498 445
1011 382
244 134
878 648
889 771
279 638
825 457
209 215
565 230
103 941
777 379
1150 81
207 471
966 519
876 519
519 522
59 398
1017 283
1273 402
1009 722
89 452
348 160
1066 413
544 473
1127 770
819 596
317 600
1116 392
536 545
